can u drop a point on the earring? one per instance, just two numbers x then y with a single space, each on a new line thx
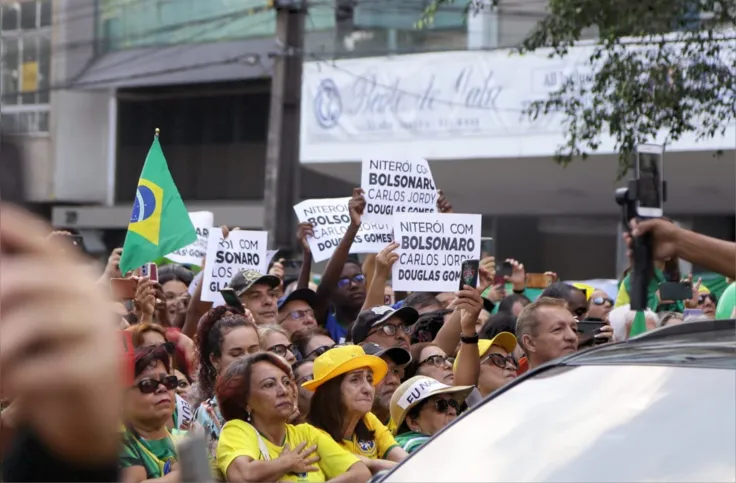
247 416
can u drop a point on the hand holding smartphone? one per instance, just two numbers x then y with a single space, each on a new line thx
231 299
123 288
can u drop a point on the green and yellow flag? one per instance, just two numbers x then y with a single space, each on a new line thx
160 222
639 325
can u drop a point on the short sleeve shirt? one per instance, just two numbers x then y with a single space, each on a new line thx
239 438
155 456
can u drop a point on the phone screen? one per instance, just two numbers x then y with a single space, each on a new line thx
650 180
231 299
469 273
487 247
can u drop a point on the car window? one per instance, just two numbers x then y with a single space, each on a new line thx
592 423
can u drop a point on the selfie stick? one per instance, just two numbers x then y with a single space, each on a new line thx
642 247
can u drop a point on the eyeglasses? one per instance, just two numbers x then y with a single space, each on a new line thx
602 301
390 329
280 349
303 379
438 360
319 351
500 361
149 386
345 282
705 297
299 314
443 405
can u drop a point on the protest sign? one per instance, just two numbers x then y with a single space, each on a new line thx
194 253
432 247
218 300
397 186
241 250
330 219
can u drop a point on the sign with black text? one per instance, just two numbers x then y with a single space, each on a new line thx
330 219
397 186
432 247
241 250
194 254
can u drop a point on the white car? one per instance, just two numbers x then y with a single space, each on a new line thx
660 407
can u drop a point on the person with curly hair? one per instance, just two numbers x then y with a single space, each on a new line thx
222 337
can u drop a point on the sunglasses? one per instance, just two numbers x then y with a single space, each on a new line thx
345 282
319 351
706 296
602 301
280 349
390 329
438 360
500 361
299 314
443 405
149 386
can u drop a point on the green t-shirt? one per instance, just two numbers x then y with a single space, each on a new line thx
411 440
156 456
726 303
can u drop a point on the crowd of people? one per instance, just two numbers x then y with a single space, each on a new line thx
337 381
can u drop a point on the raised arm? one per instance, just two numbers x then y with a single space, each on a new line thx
327 285
381 273
303 231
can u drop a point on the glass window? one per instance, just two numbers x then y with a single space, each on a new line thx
44 69
10 71
28 15
29 70
45 19
592 423
10 17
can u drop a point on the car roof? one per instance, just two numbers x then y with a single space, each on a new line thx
703 343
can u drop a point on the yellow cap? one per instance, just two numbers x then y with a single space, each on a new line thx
587 289
505 340
341 360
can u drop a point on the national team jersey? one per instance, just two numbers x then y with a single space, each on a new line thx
239 438
376 448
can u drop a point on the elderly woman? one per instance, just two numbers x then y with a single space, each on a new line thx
257 443
222 338
497 363
148 451
422 406
344 388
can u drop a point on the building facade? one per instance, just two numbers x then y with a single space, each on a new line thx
86 82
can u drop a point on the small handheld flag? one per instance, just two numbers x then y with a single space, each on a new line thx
639 325
159 223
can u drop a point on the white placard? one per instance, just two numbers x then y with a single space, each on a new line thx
194 253
330 219
241 250
218 300
432 248
397 186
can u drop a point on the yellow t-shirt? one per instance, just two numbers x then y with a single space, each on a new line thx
376 448
239 438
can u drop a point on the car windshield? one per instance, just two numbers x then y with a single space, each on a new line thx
592 423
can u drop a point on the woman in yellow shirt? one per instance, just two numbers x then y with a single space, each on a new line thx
257 397
344 387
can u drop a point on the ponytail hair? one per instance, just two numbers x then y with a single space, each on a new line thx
211 331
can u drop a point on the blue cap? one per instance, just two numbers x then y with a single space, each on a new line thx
305 294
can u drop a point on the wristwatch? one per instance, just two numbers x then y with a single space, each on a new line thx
473 339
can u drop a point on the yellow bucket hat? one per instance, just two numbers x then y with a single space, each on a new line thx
505 340
341 360
585 288
415 390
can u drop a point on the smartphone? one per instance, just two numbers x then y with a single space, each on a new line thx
292 263
123 288
504 269
590 327
499 279
469 273
648 171
195 465
231 299
487 247
537 280
76 241
150 270
675 290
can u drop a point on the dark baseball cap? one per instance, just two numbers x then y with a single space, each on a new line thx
305 294
378 315
245 279
399 355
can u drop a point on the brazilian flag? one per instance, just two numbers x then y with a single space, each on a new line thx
160 222
639 325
